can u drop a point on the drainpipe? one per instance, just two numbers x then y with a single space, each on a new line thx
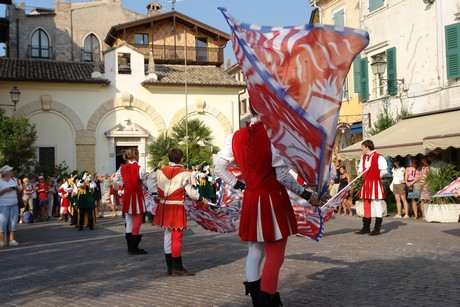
17 38
440 43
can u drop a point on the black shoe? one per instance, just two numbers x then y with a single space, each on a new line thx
80 228
375 232
178 269
363 231
91 228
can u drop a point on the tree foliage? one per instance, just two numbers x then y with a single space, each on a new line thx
385 119
17 144
200 148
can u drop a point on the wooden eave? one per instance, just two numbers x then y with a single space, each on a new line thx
169 16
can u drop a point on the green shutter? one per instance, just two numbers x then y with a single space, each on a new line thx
356 75
391 72
364 80
339 18
375 4
453 51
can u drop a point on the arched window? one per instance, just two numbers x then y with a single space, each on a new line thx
91 48
40 47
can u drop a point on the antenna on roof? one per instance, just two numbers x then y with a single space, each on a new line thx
173 2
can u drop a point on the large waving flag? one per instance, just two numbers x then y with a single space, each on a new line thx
294 79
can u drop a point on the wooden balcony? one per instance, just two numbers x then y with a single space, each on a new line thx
169 54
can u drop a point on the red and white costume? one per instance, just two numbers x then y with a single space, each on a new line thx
172 183
267 217
264 216
131 177
374 166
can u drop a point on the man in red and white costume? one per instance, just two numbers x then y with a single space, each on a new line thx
372 167
172 183
131 177
267 218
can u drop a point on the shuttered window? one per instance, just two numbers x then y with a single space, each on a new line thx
391 71
453 51
364 80
357 75
339 18
375 4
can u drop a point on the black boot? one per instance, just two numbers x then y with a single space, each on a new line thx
168 258
268 300
252 288
378 224
135 250
128 241
366 226
178 269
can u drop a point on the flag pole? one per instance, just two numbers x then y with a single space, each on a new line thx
186 102
346 187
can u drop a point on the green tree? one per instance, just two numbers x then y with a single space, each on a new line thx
200 138
200 148
385 119
158 151
17 144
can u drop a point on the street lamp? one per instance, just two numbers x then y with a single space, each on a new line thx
379 66
15 94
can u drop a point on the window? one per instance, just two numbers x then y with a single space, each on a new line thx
46 157
339 18
91 48
201 49
141 39
364 79
375 4
40 47
124 63
243 107
453 51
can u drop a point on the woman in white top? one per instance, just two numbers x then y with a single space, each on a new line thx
9 208
399 188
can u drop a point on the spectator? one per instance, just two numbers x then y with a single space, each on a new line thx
399 188
42 191
335 174
425 195
344 180
9 210
28 190
412 182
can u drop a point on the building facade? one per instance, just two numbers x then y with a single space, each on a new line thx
94 92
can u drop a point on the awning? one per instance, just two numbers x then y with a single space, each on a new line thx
413 135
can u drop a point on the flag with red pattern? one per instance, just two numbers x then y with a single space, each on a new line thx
294 79
450 189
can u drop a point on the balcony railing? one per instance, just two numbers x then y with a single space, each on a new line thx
169 54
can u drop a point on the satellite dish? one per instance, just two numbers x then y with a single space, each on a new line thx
343 128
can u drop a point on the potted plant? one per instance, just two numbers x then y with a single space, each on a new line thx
441 209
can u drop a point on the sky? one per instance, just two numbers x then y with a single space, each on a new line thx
261 12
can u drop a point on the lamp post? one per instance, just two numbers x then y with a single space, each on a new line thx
379 66
15 94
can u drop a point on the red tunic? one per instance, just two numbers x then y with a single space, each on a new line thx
372 187
171 212
133 197
267 214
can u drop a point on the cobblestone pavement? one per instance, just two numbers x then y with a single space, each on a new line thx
412 263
